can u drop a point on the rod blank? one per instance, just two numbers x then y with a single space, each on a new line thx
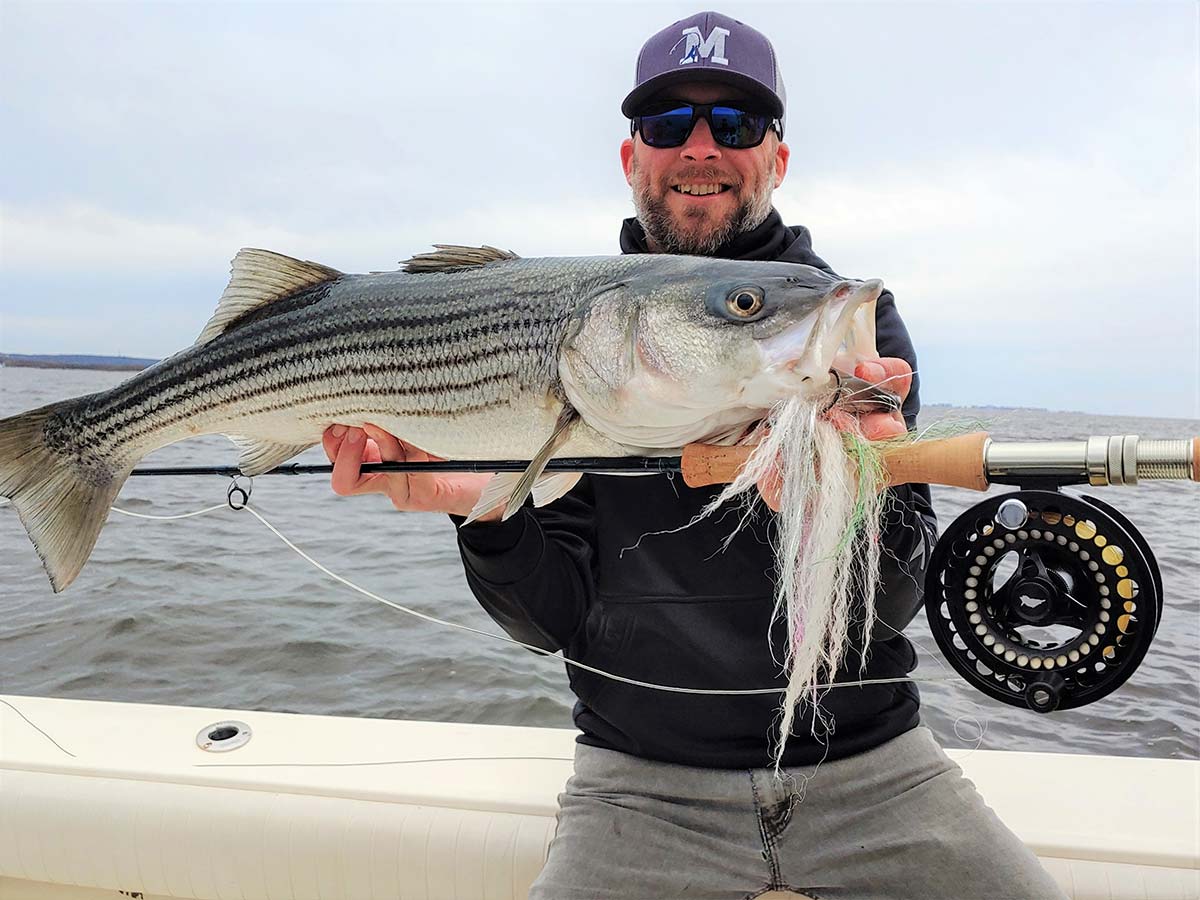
969 461
600 464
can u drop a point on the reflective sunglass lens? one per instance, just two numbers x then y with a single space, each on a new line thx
731 127
736 128
669 128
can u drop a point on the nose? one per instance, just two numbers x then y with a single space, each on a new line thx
700 144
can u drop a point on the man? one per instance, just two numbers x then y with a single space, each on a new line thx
673 794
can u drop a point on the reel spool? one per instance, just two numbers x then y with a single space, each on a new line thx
1043 599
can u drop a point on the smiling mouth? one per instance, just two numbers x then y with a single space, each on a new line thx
700 190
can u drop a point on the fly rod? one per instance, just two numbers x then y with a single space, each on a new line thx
598 464
1001 574
971 461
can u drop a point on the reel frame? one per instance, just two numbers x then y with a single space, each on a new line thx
1043 599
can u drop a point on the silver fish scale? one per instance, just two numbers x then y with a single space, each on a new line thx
424 345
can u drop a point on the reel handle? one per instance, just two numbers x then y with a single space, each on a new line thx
973 461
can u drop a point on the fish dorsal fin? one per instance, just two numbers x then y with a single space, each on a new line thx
451 257
260 277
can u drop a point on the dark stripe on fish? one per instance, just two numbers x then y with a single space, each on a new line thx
232 357
205 381
447 391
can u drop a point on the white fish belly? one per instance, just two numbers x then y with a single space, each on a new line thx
515 430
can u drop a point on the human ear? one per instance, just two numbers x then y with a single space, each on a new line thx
782 153
627 159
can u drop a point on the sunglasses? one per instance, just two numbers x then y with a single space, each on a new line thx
669 124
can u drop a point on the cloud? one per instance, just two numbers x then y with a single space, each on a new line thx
83 239
1015 244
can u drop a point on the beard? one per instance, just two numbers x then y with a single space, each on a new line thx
698 232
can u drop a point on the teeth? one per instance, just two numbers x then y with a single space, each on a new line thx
698 190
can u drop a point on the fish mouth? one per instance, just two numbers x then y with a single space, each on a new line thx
839 334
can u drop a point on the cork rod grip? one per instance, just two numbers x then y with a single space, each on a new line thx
1196 459
956 461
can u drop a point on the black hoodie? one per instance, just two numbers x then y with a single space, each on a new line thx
607 575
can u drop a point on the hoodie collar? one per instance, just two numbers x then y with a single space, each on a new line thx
766 242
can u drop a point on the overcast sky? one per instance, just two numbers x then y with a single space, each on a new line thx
1022 175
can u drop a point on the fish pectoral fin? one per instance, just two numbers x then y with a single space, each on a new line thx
259 456
453 257
495 493
260 277
499 489
537 465
550 487
512 489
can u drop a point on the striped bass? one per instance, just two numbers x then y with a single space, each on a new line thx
469 353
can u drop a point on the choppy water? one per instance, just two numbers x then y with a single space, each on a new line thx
214 611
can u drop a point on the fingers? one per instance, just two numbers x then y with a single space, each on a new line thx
390 447
880 426
352 451
348 448
394 449
873 426
347 460
894 373
770 486
841 419
331 440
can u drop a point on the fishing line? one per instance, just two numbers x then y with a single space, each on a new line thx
538 650
508 640
38 730
531 647
981 725
199 512
874 385
543 652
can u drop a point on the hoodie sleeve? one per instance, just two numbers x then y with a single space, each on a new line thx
534 573
910 525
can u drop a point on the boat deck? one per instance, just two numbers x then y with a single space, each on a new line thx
119 797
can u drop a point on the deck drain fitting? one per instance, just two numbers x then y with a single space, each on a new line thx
221 737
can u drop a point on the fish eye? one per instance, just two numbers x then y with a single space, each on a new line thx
745 302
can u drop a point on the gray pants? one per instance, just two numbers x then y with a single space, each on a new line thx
899 821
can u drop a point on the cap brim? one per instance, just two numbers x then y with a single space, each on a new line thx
658 83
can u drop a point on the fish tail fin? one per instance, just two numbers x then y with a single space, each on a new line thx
62 497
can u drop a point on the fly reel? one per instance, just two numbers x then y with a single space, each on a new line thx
1043 599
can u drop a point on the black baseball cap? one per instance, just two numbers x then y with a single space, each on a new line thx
709 47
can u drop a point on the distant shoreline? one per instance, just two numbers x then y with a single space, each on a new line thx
80 361
40 364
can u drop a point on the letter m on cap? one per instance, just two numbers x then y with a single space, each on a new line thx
712 49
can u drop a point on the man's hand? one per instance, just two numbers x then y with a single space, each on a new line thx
894 374
889 372
348 448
